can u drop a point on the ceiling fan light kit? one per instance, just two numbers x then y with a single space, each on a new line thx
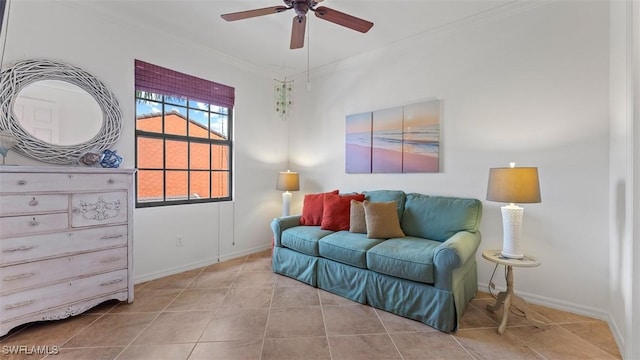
301 8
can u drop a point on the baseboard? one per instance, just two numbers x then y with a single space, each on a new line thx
617 334
195 265
555 303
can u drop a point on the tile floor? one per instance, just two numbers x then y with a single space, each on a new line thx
239 309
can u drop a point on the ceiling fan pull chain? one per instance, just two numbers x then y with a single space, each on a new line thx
308 54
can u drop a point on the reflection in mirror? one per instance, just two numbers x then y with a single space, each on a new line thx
58 112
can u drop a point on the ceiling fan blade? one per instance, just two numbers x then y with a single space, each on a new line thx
343 19
297 32
253 13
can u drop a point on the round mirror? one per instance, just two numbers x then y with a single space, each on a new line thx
79 130
58 112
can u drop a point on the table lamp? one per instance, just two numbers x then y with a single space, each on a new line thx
513 185
287 181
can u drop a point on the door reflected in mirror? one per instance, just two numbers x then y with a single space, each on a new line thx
58 112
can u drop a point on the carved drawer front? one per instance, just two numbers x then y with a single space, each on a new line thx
27 224
25 182
45 272
98 208
23 303
28 248
26 204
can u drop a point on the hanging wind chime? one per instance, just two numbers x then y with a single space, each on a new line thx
283 97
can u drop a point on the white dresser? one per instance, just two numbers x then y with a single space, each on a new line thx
65 241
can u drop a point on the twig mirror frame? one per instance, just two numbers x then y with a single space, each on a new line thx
15 78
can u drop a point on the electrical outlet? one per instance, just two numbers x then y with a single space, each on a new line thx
179 241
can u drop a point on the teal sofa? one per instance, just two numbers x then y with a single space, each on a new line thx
430 275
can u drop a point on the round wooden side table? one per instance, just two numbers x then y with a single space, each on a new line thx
506 299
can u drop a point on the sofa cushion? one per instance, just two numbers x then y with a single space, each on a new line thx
438 217
347 247
336 211
304 239
382 220
408 258
357 220
387 195
312 208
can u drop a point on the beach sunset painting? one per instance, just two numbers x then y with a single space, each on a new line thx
421 137
396 140
386 154
358 141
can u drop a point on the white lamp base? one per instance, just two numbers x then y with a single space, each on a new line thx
286 203
511 228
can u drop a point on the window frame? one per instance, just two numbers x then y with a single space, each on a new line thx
188 140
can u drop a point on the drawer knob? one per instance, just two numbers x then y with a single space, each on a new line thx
20 304
111 282
110 259
34 202
111 181
22 182
34 222
20 248
19 276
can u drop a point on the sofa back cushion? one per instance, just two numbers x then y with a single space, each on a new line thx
438 217
387 195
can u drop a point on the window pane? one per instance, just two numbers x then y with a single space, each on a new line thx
150 154
199 156
176 100
199 124
175 120
219 126
219 157
199 182
148 116
150 185
220 109
176 154
198 105
177 185
219 184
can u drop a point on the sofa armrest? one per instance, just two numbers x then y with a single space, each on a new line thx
452 254
280 224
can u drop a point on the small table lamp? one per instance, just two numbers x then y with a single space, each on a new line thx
287 181
513 185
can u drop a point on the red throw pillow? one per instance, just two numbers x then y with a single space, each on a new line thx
312 208
336 215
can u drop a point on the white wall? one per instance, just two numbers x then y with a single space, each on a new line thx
621 173
527 86
107 47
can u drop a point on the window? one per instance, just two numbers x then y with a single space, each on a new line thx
183 138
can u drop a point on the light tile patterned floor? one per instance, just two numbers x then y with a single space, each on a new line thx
239 309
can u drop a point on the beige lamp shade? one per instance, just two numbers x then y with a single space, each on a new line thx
514 185
288 181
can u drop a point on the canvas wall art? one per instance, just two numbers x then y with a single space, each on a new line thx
404 139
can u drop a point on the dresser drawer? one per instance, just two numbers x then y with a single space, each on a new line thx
27 182
28 204
89 209
23 303
28 224
27 248
39 273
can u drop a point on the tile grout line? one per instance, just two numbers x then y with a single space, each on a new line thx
157 315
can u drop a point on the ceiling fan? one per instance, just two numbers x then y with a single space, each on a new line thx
301 7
